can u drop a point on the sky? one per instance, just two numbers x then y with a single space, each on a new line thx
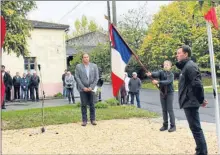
54 11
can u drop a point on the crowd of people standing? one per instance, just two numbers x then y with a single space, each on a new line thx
19 88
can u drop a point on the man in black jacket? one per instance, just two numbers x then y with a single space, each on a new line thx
64 88
34 83
29 94
17 84
7 82
191 96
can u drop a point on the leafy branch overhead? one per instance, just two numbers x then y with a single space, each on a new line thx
172 26
84 26
18 27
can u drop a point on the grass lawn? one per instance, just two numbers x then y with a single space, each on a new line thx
205 81
151 86
67 114
210 90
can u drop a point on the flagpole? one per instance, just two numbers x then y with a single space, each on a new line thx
214 82
110 46
138 60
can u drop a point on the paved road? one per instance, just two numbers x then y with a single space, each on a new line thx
149 100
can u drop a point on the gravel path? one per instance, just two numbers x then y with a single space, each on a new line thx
129 136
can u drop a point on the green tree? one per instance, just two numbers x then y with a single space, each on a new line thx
99 55
173 26
18 28
84 26
133 26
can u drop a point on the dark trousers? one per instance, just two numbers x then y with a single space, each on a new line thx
70 94
8 94
192 115
3 103
167 108
87 98
137 99
123 101
16 92
29 92
34 89
127 100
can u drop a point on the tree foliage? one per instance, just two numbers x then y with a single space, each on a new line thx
18 28
100 55
83 26
173 26
133 26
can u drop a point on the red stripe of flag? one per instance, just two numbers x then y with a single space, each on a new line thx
211 17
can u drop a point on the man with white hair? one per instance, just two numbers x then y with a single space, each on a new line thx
126 80
134 88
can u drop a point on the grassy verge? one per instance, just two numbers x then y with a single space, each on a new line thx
67 114
205 82
210 90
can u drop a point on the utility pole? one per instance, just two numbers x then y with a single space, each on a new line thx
114 12
109 22
114 18
110 47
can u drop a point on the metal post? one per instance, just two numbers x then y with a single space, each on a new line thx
214 82
114 12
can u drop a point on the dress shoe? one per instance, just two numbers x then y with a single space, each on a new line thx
93 123
84 123
172 129
163 128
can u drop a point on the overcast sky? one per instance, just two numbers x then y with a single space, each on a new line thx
55 10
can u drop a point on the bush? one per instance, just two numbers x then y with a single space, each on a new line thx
78 104
58 95
101 105
148 85
112 102
106 77
207 81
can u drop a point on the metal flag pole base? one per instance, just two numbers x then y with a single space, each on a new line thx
43 97
214 83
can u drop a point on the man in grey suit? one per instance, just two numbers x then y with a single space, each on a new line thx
87 76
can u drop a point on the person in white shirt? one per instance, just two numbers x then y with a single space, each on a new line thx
126 80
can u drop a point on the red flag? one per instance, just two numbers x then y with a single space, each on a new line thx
3 32
211 17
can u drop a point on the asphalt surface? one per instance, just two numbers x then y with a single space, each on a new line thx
149 100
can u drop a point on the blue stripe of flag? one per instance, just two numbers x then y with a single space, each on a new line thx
121 47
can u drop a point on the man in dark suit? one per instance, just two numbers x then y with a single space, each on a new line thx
7 82
191 96
17 85
29 93
87 76
34 84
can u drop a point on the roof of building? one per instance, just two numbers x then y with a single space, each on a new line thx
70 51
86 34
47 25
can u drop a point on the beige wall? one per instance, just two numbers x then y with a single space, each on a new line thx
48 46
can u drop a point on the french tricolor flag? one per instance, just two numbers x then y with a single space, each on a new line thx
120 56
